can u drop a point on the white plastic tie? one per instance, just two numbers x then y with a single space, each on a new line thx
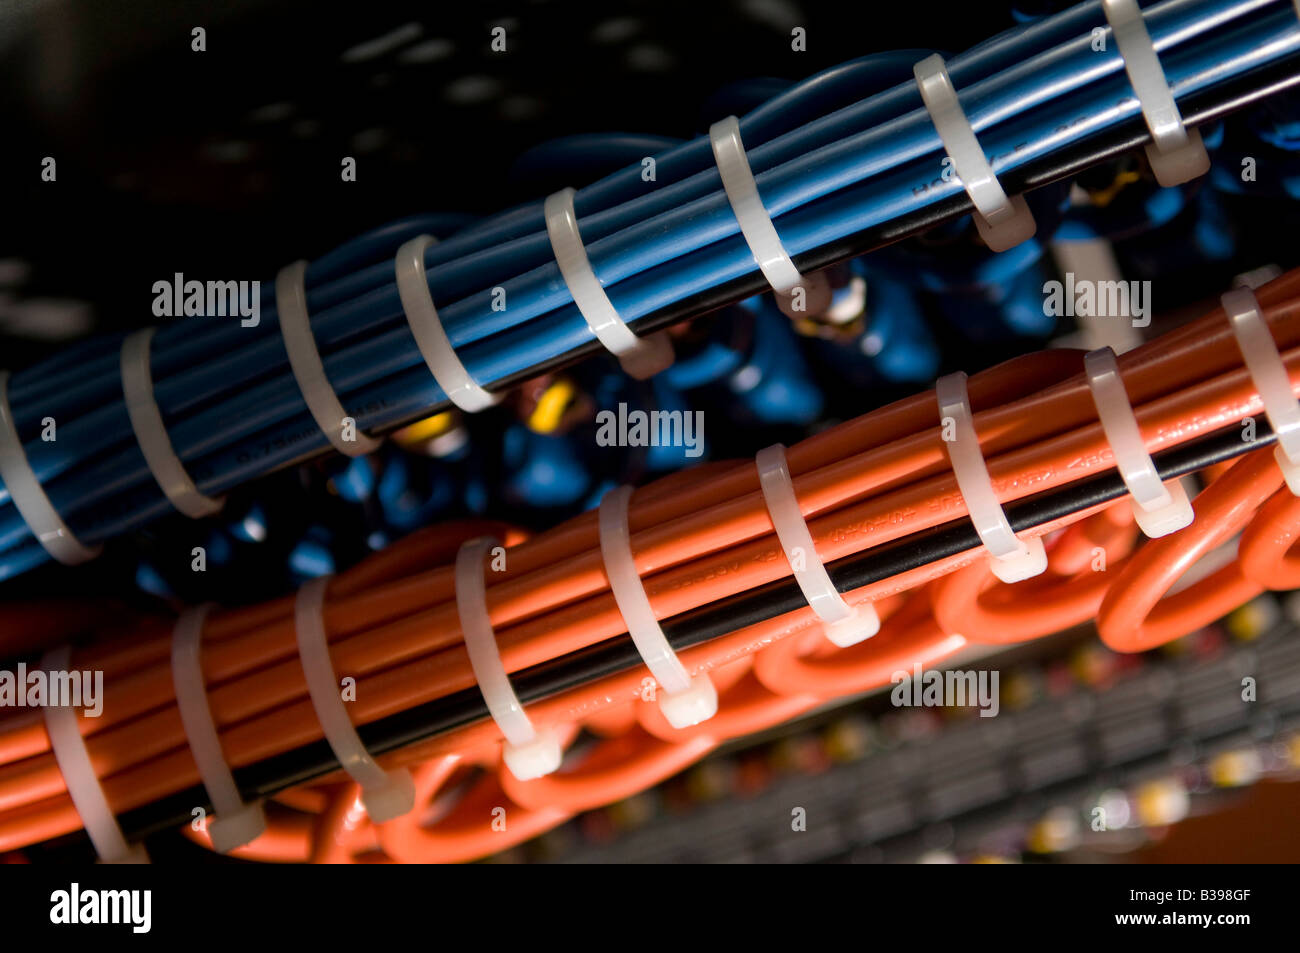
757 227
29 497
1177 154
528 753
308 369
1002 221
84 787
842 624
236 823
1011 558
640 357
684 701
435 347
1269 374
385 794
1159 508
151 433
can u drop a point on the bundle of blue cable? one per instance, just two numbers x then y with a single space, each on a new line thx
831 167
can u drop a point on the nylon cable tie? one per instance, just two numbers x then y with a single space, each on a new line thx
757 227
84 786
641 358
1003 222
1011 558
236 823
527 752
384 794
843 624
29 497
684 701
1269 374
151 432
448 371
1176 154
308 369
1159 508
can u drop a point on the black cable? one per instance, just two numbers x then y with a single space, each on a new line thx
686 629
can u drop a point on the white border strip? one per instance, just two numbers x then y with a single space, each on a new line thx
305 359
151 433
29 497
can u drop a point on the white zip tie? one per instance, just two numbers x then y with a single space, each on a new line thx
29 497
1159 508
1011 558
236 823
84 787
385 794
640 357
527 752
746 204
417 302
757 227
305 360
684 701
151 432
1269 374
843 624
1176 153
1003 222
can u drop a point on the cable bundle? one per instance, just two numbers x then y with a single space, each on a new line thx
859 173
883 509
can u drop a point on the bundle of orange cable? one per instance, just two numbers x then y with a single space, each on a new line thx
698 537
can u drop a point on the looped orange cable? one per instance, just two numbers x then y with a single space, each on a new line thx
908 634
1081 563
613 769
1265 548
1137 614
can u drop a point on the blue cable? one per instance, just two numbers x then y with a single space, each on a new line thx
240 415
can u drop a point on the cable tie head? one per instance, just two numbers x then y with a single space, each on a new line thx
1159 508
1271 379
1010 558
1002 221
527 752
